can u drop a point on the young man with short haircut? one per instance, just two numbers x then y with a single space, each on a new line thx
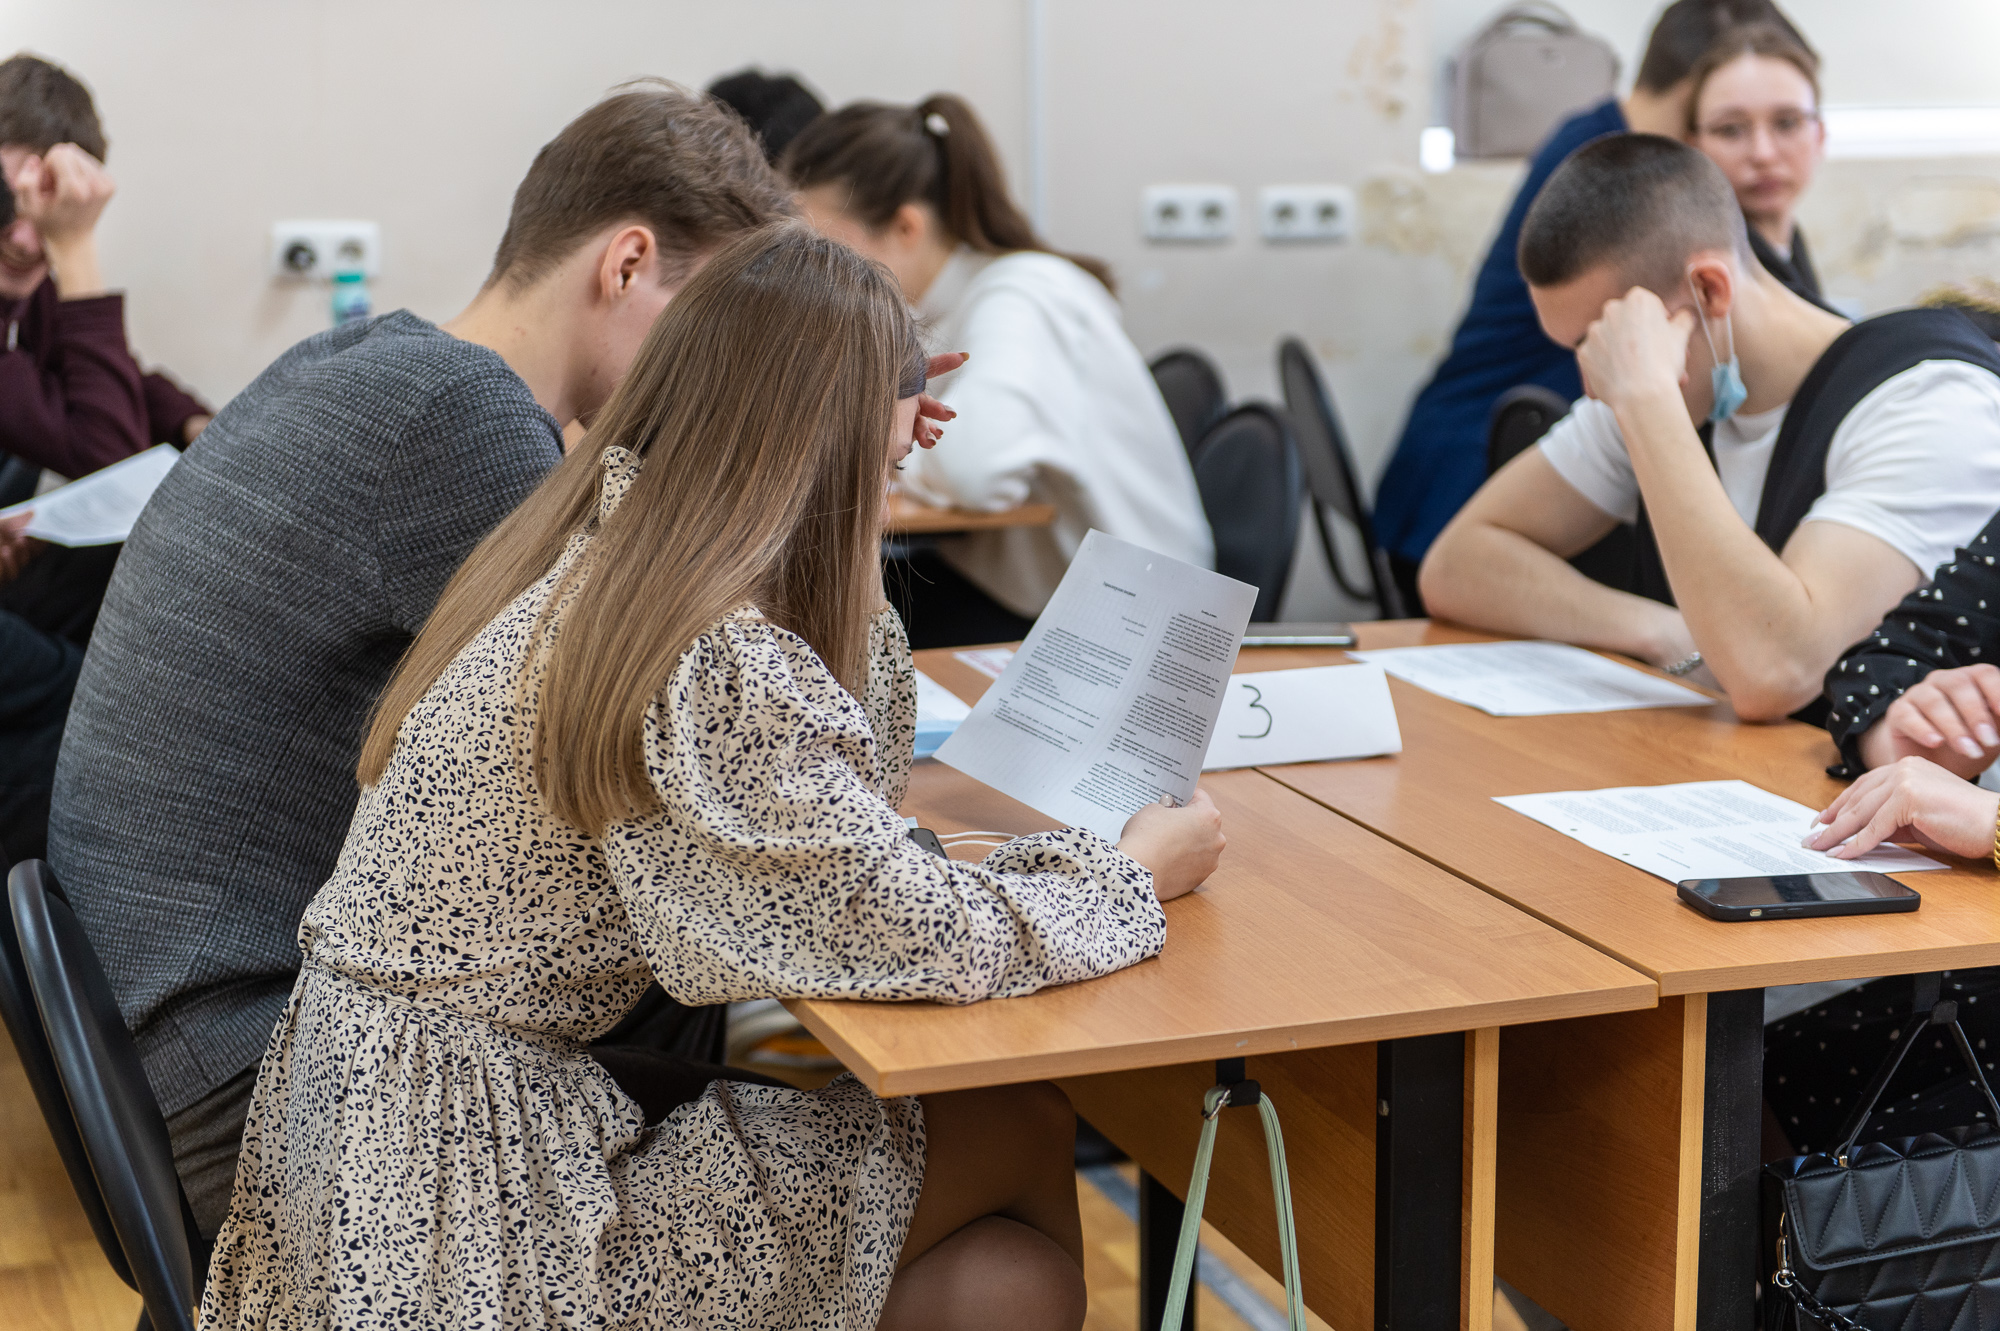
1440 459
1792 477
72 400
207 779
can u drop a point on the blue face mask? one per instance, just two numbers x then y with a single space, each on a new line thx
1726 379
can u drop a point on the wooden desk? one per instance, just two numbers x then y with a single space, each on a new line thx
1345 970
907 517
1629 1143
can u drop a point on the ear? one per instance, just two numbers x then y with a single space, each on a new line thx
1715 277
910 225
631 256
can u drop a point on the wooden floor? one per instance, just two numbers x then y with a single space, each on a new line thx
53 1278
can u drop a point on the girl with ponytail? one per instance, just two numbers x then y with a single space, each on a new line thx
1056 405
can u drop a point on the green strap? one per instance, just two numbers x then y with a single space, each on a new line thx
1281 1188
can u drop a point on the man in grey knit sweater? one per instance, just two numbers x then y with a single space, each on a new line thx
207 777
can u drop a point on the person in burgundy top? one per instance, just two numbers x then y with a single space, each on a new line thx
72 400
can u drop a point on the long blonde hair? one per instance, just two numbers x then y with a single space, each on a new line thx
761 405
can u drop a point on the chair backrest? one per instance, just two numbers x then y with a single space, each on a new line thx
18 480
1330 476
31 1045
118 1121
1248 472
1193 388
1520 417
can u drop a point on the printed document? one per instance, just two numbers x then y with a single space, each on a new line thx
939 711
1110 702
1530 678
1305 716
101 508
1701 829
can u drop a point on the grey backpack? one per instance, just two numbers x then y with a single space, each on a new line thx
1520 75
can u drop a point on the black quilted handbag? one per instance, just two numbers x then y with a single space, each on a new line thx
1899 1235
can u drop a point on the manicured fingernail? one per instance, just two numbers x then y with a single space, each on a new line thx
1965 746
1989 737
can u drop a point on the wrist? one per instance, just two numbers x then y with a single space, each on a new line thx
73 264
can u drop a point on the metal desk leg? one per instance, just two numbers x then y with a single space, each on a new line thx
1732 1132
1160 1215
1419 1169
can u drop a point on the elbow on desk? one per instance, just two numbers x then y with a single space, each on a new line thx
1770 694
1442 585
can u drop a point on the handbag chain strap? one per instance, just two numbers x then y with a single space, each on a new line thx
1928 1012
1785 1279
1217 1099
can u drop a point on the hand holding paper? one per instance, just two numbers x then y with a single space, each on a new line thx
100 508
1111 701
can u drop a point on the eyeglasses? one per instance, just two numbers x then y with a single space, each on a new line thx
1787 127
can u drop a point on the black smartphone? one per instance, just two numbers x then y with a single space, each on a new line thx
928 839
1792 896
1299 635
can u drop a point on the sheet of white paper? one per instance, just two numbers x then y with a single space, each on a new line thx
101 508
1305 716
1700 829
1530 678
935 702
988 661
1110 702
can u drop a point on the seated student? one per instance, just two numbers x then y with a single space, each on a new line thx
561 798
1791 477
1755 113
775 106
1059 406
72 400
1441 457
1915 711
284 566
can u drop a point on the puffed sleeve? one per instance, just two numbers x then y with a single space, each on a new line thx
1953 622
890 699
774 868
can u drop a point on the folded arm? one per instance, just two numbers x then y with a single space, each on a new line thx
1501 565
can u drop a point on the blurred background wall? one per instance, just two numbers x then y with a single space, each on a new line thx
226 115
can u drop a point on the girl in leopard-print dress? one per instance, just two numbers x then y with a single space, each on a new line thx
658 727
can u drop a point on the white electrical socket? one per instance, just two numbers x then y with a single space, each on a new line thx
1306 212
1188 212
320 249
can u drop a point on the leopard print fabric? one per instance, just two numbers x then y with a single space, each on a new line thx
429 1145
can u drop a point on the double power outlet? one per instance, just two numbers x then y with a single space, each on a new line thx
1285 213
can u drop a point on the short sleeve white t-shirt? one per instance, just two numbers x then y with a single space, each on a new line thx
1915 464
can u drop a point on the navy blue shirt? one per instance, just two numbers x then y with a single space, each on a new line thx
1441 458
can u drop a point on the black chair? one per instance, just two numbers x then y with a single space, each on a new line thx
1247 470
18 481
1193 388
1520 417
24 1025
116 1122
1329 473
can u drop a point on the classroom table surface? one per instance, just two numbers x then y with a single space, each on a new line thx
1312 933
1436 799
908 517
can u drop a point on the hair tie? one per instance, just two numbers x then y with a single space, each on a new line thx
936 124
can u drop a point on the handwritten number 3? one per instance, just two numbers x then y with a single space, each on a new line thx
1257 705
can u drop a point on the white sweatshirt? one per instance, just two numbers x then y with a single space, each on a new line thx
1055 406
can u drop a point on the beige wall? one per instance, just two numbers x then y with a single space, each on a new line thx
226 115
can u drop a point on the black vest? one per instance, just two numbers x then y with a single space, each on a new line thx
1860 360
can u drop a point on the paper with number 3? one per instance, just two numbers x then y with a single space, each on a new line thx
1304 716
